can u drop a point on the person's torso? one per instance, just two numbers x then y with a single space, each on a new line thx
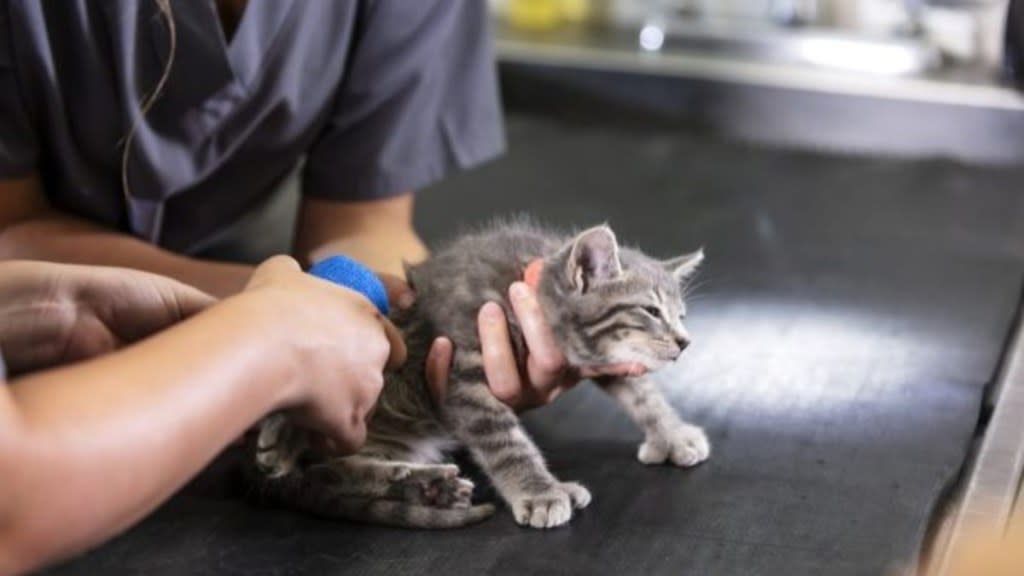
232 119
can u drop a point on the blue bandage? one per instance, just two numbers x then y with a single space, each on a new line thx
347 272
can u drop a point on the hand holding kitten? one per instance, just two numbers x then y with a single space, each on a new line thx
548 372
343 345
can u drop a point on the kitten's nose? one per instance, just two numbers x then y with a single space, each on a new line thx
682 342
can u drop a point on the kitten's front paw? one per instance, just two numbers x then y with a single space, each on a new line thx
578 494
686 446
551 508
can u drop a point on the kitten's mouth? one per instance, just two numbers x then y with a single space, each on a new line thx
653 360
669 352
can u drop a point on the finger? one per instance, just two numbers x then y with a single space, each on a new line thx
364 402
190 301
500 366
439 362
174 302
398 351
274 267
322 444
350 439
344 430
399 292
545 354
556 392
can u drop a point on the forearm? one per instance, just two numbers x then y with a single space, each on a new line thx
92 448
55 236
378 233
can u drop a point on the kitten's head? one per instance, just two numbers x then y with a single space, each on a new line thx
610 305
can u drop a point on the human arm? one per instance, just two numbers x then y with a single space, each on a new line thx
30 228
378 233
88 449
53 314
547 372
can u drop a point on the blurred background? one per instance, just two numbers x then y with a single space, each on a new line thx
769 59
959 38
856 170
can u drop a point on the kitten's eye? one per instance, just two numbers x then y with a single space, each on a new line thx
652 310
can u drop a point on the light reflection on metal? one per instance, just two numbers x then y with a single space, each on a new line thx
858 56
652 38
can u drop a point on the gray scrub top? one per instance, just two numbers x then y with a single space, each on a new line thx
379 96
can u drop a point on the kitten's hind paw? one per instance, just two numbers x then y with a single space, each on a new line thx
279 446
448 493
685 446
435 485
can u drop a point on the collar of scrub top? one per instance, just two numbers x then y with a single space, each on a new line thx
217 87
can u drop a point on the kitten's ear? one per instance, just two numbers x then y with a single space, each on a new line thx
593 258
683 267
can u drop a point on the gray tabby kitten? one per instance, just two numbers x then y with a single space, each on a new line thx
605 304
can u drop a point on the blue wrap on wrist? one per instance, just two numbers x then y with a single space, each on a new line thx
346 272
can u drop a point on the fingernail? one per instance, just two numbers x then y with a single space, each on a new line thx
491 312
519 291
441 345
406 300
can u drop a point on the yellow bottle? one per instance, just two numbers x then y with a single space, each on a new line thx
538 15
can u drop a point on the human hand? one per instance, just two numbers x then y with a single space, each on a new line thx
548 372
52 314
340 345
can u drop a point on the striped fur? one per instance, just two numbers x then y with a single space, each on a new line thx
604 303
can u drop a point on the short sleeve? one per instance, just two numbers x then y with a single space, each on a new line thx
19 147
419 100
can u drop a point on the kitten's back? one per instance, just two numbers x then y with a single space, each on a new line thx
474 269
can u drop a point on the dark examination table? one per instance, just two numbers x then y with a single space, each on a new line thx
852 312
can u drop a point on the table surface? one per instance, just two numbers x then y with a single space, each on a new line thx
851 313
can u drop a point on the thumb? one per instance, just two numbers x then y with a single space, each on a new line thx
186 301
144 312
273 268
399 292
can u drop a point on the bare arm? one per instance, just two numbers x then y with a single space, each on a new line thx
31 229
89 449
378 233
